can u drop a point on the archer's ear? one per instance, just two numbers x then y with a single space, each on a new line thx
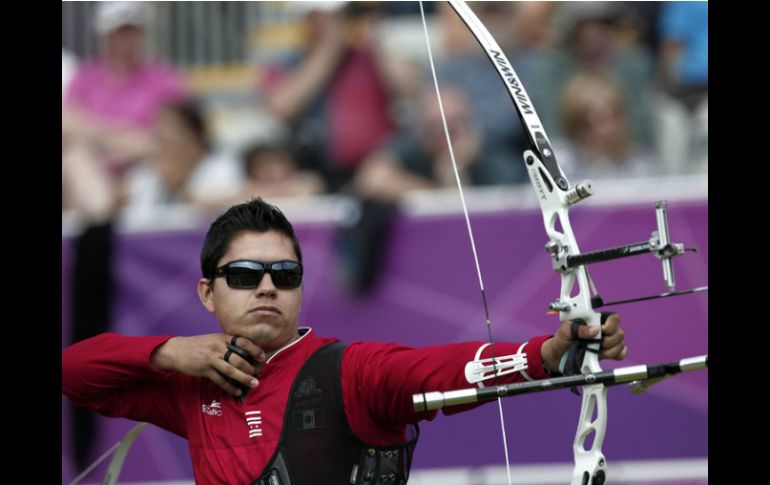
206 294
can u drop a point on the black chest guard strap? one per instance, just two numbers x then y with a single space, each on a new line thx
317 445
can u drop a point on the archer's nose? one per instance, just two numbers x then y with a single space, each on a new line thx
266 287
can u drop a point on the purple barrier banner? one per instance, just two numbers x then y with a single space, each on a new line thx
428 294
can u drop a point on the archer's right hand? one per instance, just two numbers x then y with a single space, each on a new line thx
204 356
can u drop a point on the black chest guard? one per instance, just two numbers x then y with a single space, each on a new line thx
317 446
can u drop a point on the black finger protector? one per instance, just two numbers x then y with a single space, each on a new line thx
242 354
238 385
245 356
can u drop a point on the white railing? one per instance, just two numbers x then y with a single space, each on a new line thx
334 208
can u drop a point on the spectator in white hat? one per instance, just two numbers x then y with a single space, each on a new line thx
109 107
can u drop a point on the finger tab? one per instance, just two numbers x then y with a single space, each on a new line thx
242 354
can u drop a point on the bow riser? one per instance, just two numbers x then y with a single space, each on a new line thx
554 205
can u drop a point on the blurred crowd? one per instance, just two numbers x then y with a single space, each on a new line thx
621 88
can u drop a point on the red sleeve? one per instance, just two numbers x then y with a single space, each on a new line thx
111 375
378 381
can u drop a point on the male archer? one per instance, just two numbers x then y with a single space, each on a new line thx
266 401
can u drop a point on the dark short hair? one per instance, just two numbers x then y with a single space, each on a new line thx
255 215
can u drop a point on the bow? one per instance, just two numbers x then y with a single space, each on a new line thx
120 451
578 296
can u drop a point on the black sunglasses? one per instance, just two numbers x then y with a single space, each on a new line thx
286 275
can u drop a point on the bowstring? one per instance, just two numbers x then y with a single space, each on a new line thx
470 235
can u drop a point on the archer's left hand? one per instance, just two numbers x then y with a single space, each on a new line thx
613 344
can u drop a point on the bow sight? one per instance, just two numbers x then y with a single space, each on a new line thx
659 244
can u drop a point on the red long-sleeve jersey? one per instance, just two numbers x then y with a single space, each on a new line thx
232 441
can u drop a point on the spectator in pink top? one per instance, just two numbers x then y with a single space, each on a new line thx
108 109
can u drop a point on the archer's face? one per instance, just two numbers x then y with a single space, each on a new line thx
266 315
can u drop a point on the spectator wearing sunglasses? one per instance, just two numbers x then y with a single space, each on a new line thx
256 398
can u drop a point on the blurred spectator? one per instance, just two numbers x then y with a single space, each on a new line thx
271 171
332 95
419 159
533 22
640 25
682 109
596 36
108 108
182 168
599 142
